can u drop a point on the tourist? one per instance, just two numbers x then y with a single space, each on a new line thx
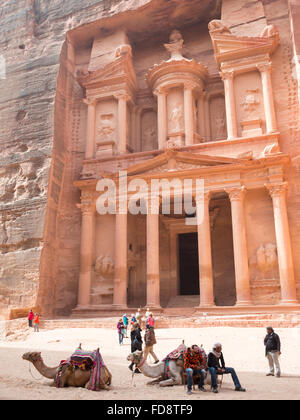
138 316
273 347
30 318
120 328
215 357
194 364
125 323
136 342
36 323
150 320
133 319
150 340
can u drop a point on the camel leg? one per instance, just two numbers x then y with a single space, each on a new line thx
167 382
156 381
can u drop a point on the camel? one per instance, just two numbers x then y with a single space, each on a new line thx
158 371
70 376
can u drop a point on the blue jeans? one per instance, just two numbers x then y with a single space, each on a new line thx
190 372
121 338
231 371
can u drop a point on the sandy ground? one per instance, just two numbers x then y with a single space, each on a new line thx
243 350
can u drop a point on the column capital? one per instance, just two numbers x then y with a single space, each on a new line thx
161 90
89 101
189 85
264 67
277 190
236 193
124 96
205 197
87 207
227 74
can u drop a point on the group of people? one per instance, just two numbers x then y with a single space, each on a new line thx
33 320
197 364
137 342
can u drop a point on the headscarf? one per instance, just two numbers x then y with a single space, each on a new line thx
216 353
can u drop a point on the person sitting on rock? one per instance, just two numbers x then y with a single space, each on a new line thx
194 365
216 365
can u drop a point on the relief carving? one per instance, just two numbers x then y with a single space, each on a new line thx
264 263
107 127
104 266
251 104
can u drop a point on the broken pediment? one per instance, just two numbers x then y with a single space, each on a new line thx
230 47
119 74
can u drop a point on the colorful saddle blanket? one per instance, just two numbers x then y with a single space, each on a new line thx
84 360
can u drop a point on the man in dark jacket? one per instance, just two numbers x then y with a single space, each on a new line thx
150 340
216 365
273 347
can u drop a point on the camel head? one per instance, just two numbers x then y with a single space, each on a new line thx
135 357
32 357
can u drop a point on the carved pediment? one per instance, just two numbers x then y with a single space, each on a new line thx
173 161
119 72
229 47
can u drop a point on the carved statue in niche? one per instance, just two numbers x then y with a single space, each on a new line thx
107 128
149 130
218 118
176 119
104 266
220 124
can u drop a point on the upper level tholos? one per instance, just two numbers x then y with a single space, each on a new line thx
151 96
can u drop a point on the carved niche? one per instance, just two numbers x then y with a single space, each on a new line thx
217 110
149 130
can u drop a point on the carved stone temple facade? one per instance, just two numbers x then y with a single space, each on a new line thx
169 93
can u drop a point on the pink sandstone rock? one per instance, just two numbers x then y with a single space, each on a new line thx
95 89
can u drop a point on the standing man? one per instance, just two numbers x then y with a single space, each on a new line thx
194 364
150 340
273 351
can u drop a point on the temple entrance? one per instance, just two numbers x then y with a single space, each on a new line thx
188 264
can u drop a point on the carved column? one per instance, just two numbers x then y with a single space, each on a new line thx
122 122
189 113
204 250
162 119
201 117
265 71
86 251
90 133
120 279
283 239
153 280
230 104
243 293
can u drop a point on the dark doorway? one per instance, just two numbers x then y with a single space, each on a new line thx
188 264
